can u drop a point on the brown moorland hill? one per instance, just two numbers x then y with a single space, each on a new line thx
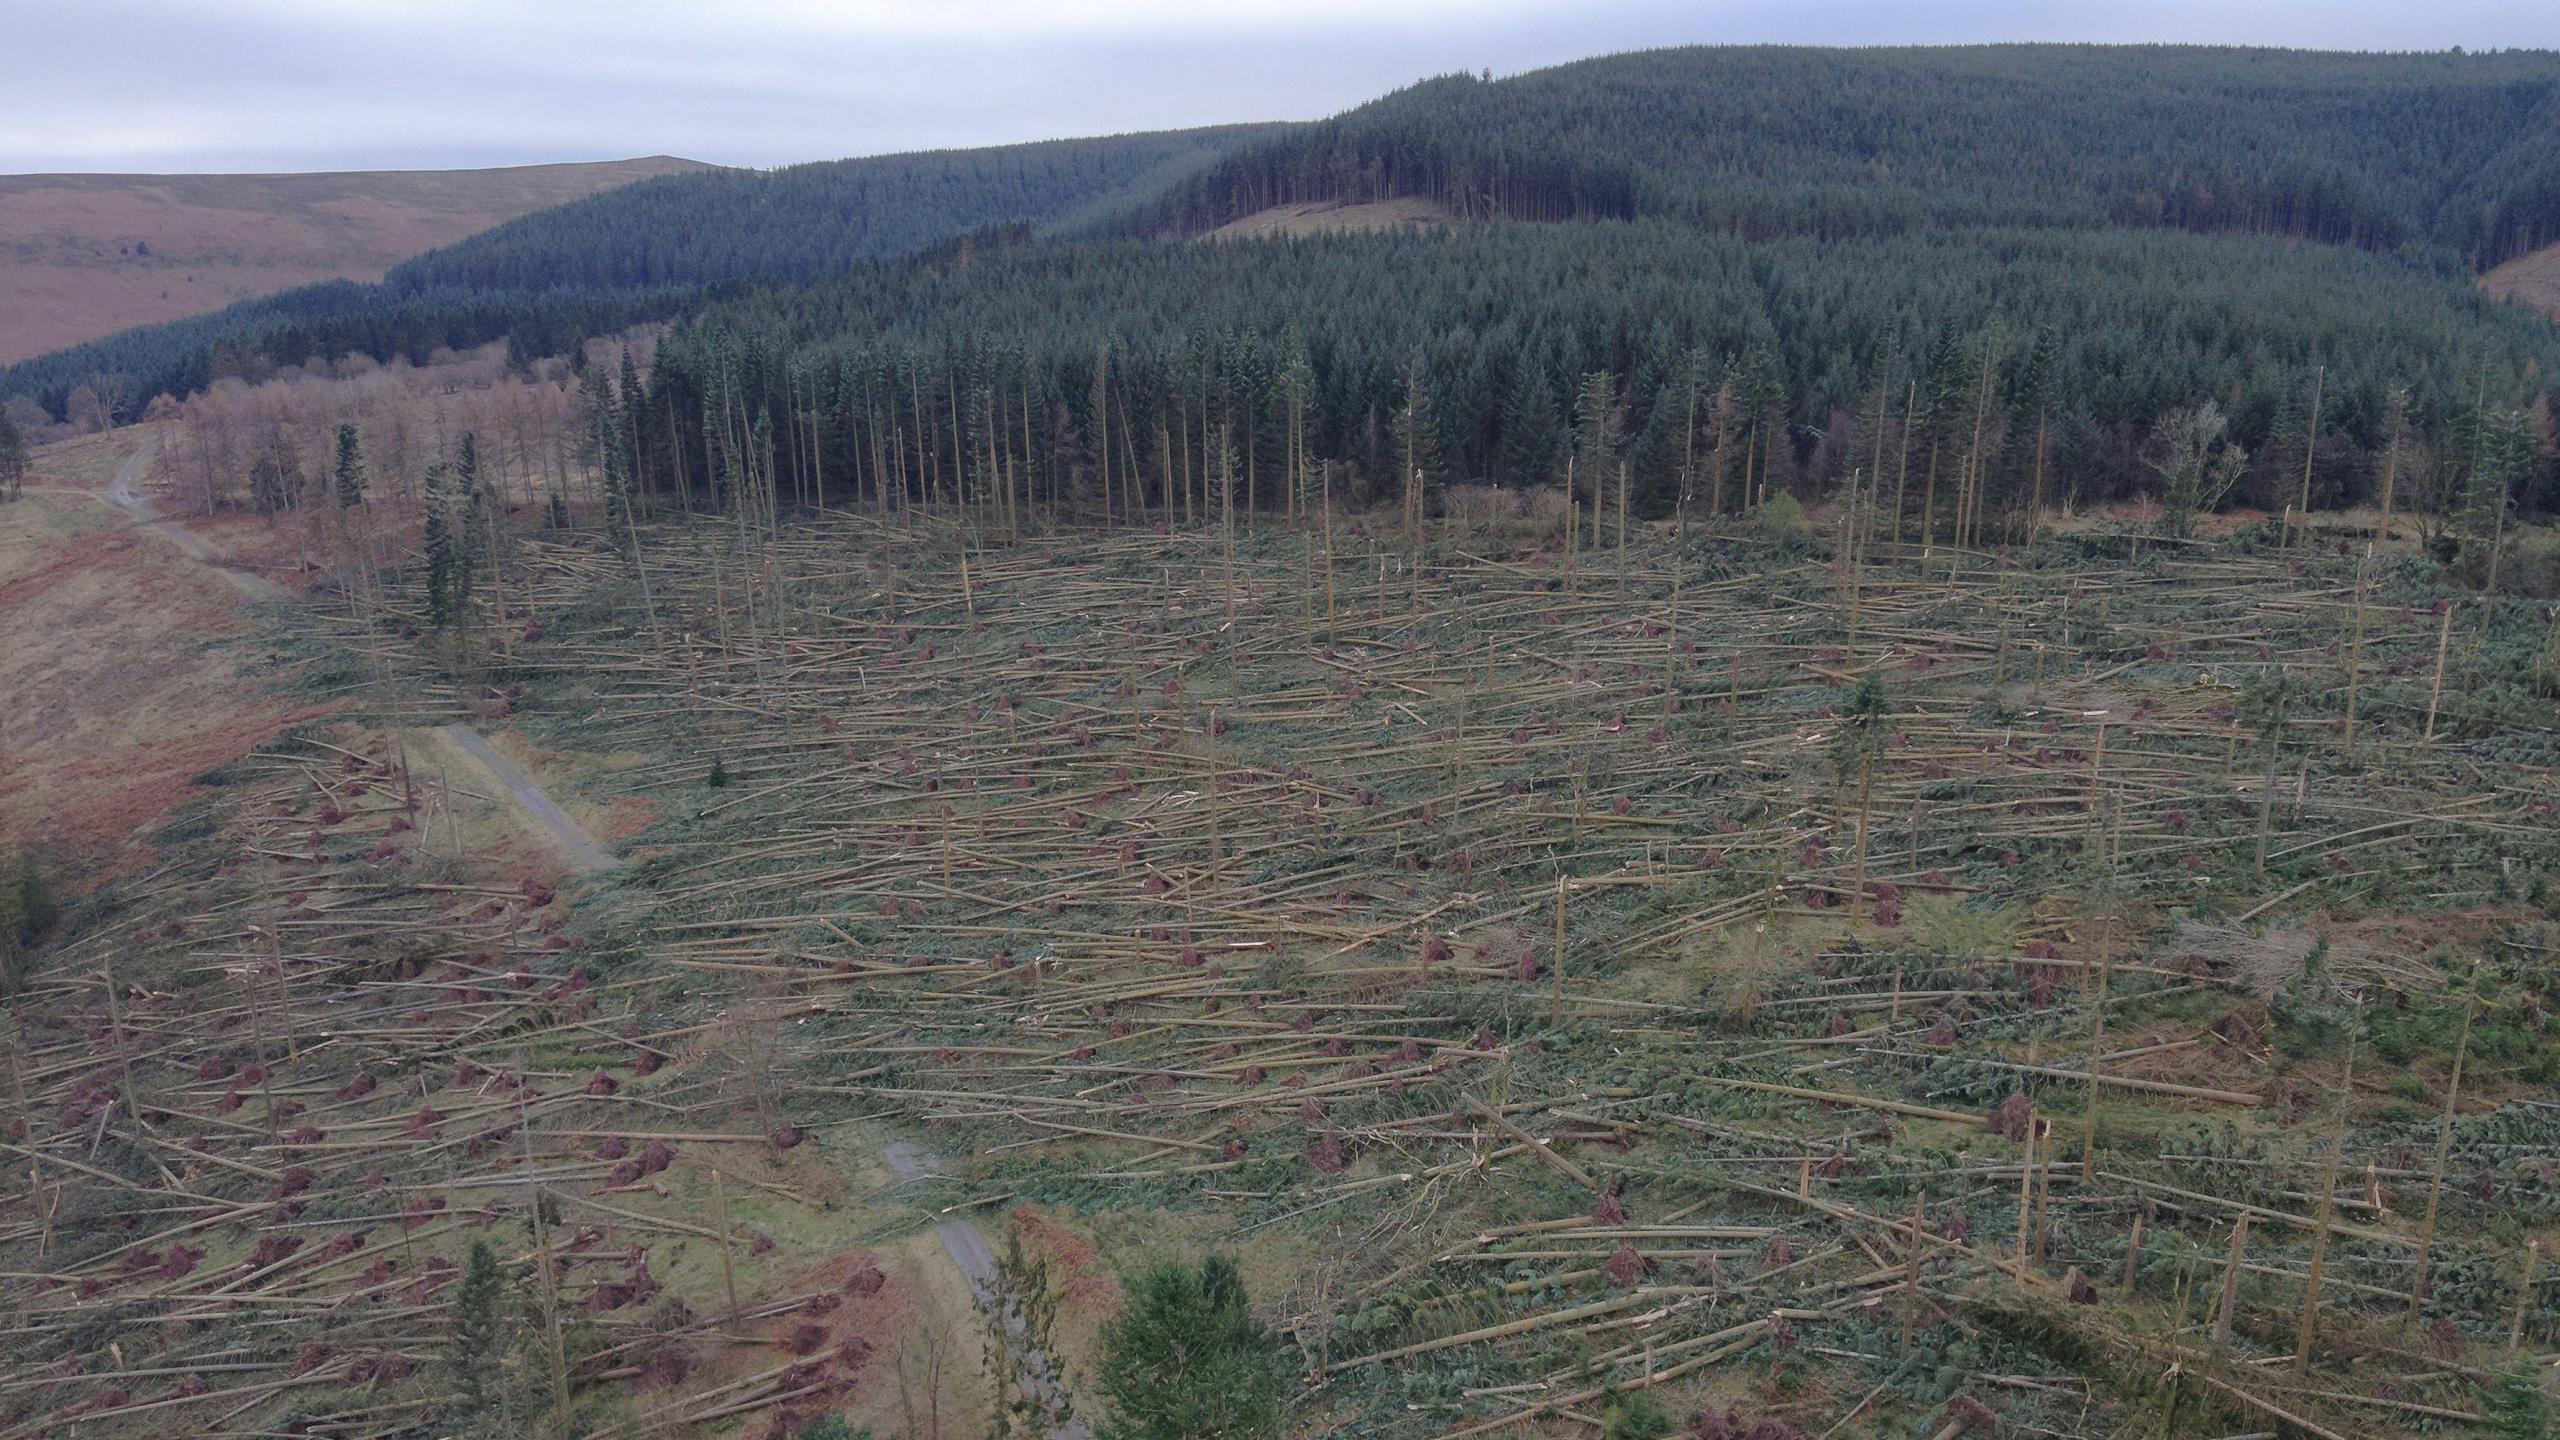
87 255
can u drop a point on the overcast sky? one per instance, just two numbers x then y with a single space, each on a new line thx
219 85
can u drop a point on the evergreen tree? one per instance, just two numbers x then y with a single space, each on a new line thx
1530 427
436 538
13 457
2517 1406
2503 456
475 1329
1186 1360
348 472
27 911
1416 426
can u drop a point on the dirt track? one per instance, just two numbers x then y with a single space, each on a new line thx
564 832
976 1259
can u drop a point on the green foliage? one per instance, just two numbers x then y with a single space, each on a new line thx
718 779
1865 715
833 1427
1779 515
2517 1405
347 472
549 280
475 1327
13 457
436 538
1634 1416
27 911
1187 1361
2452 150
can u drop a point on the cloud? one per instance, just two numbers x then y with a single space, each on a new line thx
320 84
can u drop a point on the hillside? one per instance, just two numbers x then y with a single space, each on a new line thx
550 279
83 256
2454 151
2015 259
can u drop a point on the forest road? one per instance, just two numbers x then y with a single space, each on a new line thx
976 1259
568 835
122 495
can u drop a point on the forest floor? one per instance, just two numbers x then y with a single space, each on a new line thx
1519 958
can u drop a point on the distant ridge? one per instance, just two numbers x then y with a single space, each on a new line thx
86 255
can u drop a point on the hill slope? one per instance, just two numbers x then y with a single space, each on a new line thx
83 256
2449 150
646 251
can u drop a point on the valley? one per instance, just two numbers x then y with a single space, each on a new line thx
1891 771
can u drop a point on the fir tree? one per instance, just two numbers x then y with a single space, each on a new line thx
13 457
2518 1406
436 538
476 1327
348 472
1187 1361
1530 427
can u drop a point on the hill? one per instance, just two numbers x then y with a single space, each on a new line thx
2015 259
1760 270
83 256
550 279
2375 150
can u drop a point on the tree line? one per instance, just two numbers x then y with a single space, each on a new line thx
1974 376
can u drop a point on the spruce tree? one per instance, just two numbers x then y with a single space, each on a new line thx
349 470
1530 427
2518 1406
474 1330
436 538
1187 1361
13 457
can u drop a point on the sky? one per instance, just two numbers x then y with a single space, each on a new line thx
263 85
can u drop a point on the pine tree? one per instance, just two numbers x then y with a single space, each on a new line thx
1187 1361
630 406
349 470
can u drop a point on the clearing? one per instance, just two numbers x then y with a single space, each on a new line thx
2531 280
1324 217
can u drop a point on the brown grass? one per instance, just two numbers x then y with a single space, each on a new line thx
87 255
127 668
2532 280
1319 217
